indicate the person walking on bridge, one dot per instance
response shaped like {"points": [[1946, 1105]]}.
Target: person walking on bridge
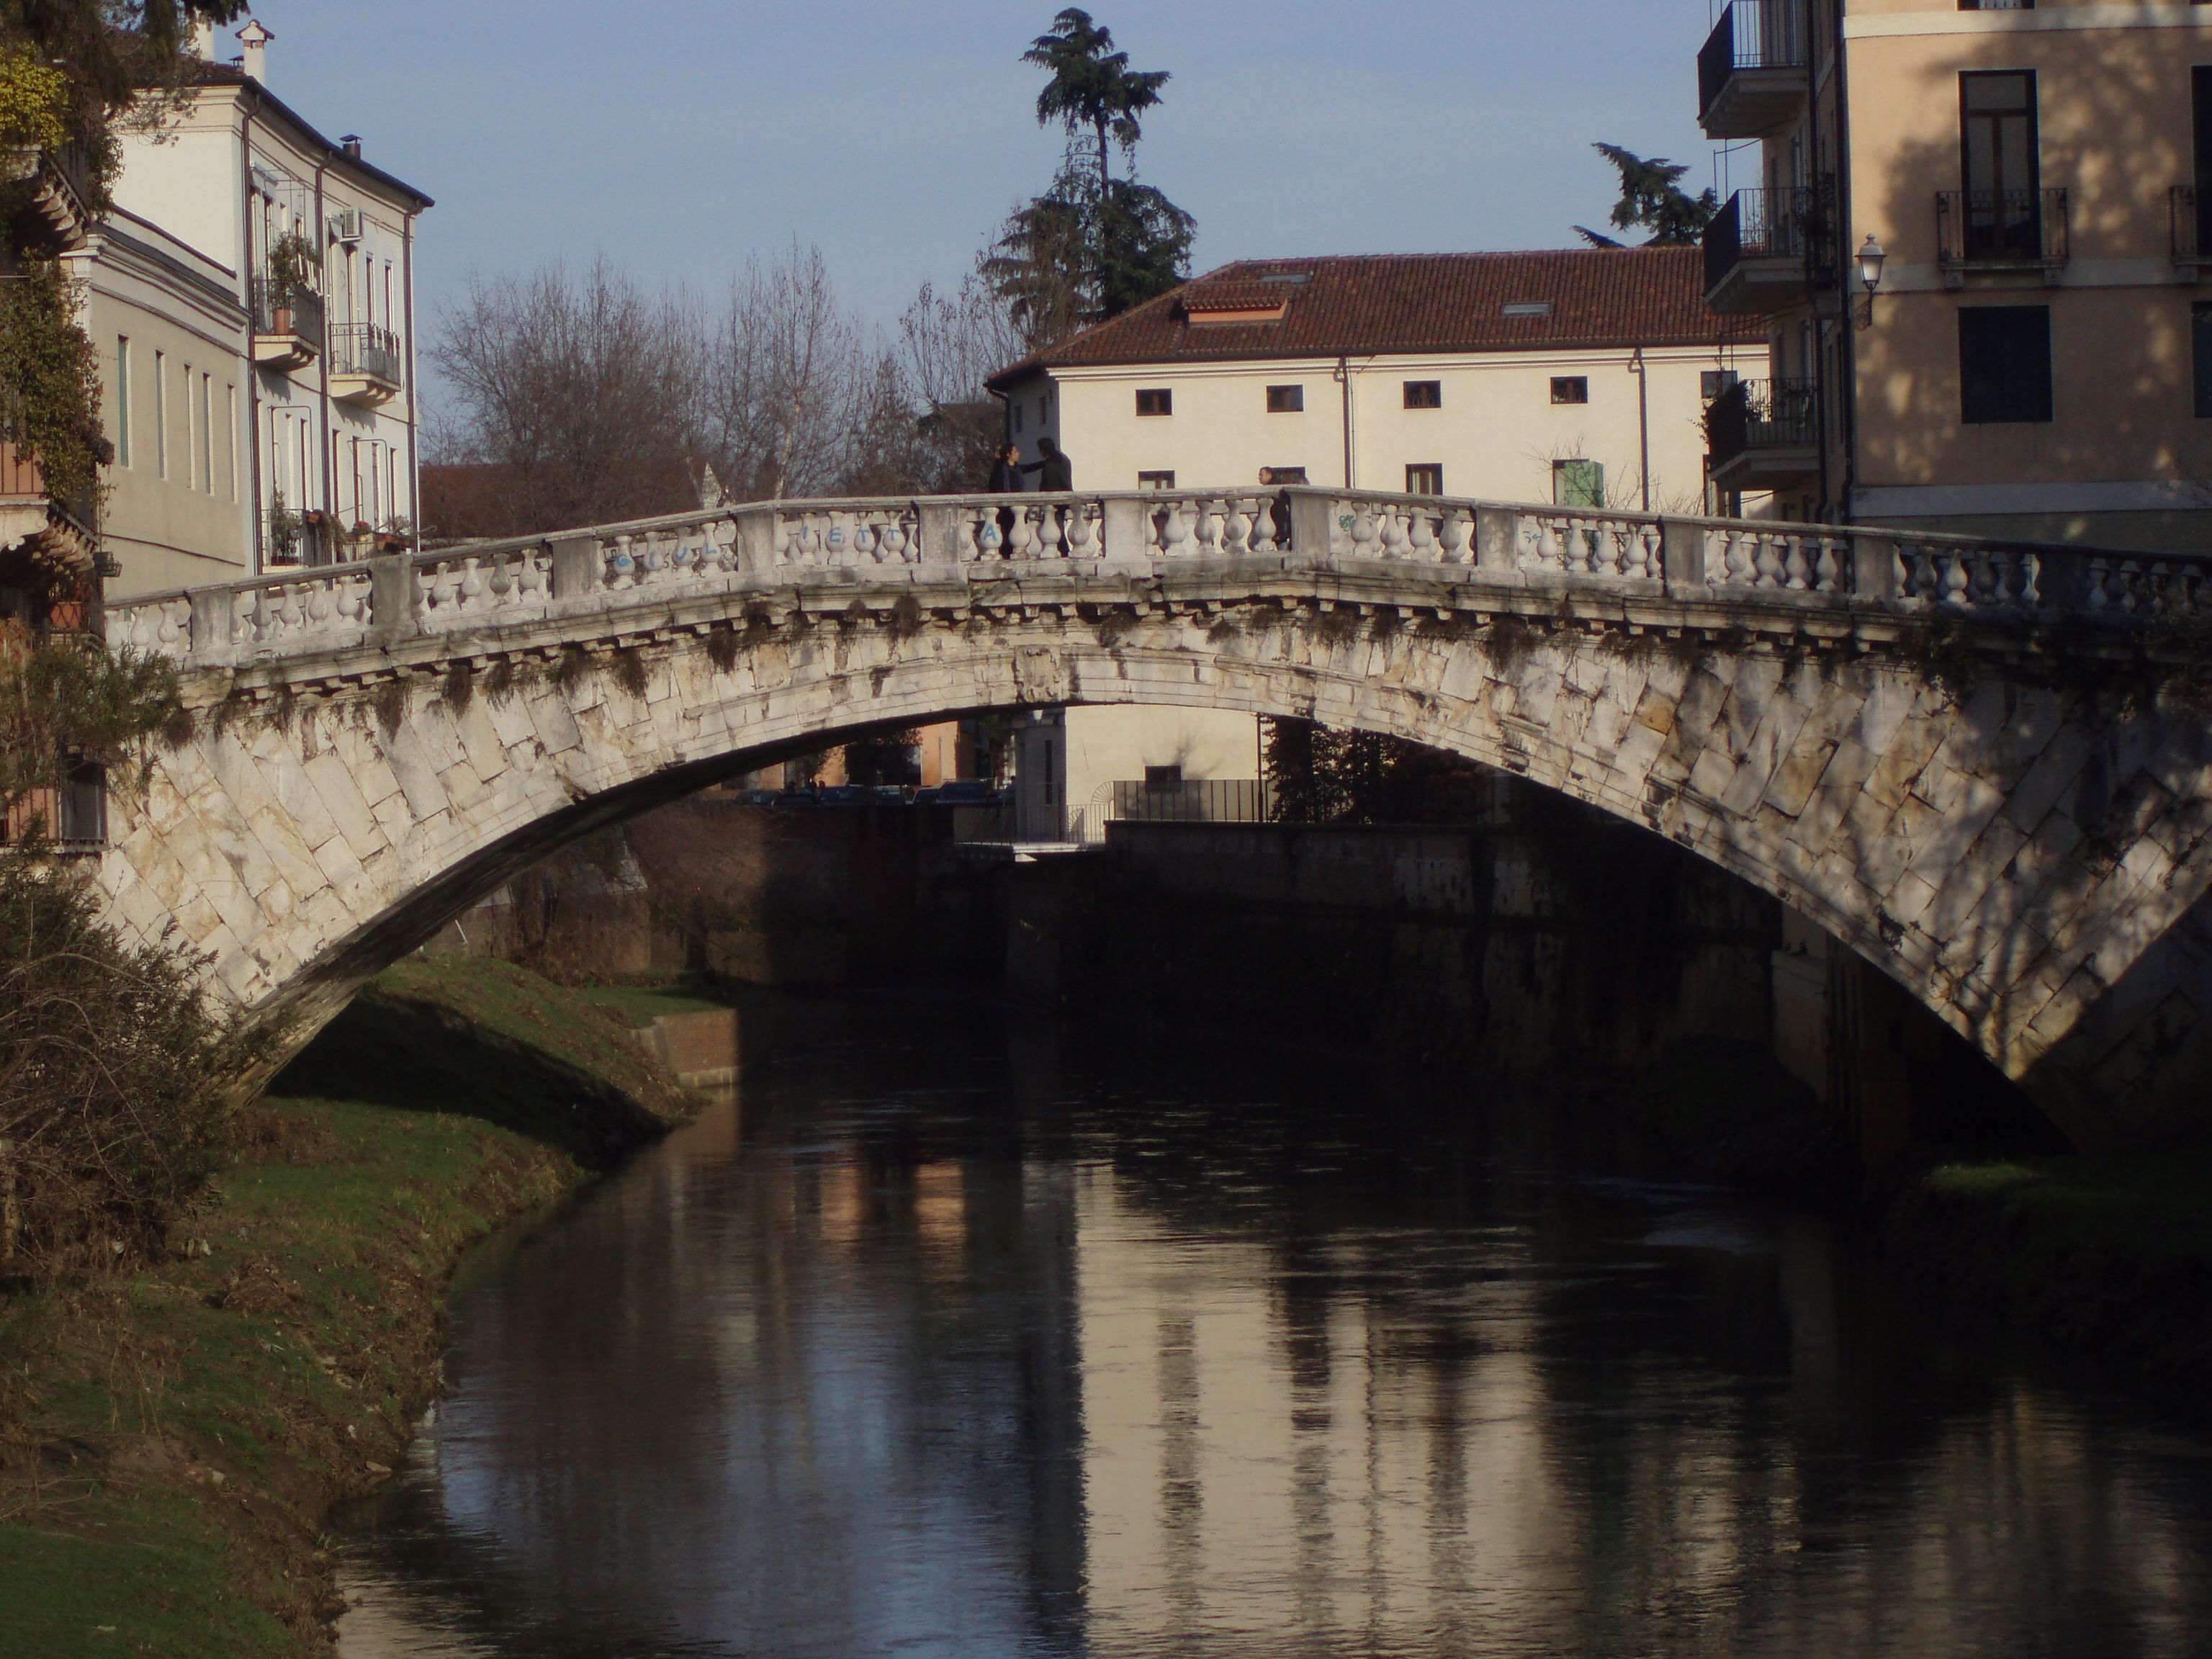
{"points": [[1058, 471]]}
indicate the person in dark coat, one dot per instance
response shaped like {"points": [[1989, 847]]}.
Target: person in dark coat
{"points": [[1007, 470], [1059, 472]]}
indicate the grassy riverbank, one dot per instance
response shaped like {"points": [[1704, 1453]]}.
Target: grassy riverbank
{"points": [[172, 1438], [2109, 1254]]}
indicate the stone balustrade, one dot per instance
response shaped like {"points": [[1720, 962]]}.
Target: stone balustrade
{"points": [[1488, 546]]}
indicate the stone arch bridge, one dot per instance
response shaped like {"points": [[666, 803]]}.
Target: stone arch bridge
{"points": [[1952, 755]]}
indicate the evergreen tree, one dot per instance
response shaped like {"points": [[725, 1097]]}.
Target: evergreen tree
{"points": [[1092, 86], [1652, 198]]}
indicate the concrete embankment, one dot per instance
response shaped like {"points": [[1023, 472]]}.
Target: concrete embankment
{"points": [[172, 1440]]}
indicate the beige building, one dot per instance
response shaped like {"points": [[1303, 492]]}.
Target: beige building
{"points": [[2036, 359], [251, 298], [1578, 375]]}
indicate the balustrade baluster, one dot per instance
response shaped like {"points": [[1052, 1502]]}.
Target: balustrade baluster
{"points": [[1828, 570], [1797, 572], [1452, 537], [1421, 537], [1767, 561], [895, 539], [1391, 533], [1955, 578], [472, 584], [1236, 528], [1173, 532], [1082, 532], [351, 600], [1025, 536], [1738, 567], [319, 605], [1363, 531]]}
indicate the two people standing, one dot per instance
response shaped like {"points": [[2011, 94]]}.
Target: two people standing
{"points": [[1058, 471]]}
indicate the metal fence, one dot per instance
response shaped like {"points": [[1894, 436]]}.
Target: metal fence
{"points": [[1190, 800]]}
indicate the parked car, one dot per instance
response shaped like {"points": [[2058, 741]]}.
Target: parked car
{"points": [[966, 792], [889, 794], [926, 796], [791, 798], [845, 794]]}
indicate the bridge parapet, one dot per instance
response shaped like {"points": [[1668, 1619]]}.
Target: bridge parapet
{"points": [[1486, 547]]}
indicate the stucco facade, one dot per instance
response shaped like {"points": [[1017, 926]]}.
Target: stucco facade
{"points": [[226, 398]]}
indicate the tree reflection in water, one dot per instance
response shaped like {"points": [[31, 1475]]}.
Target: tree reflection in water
{"points": [[935, 1345]]}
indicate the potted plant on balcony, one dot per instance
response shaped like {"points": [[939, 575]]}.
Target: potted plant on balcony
{"points": [[292, 267], [398, 534], [286, 528]]}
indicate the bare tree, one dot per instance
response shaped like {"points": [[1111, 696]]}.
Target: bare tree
{"points": [[952, 345], [577, 390]]}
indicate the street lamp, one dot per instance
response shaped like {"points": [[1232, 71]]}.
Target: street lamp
{"points": [[1871, 257]]}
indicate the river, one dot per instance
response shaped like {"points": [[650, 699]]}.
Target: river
{"points": [[949, 1335]]}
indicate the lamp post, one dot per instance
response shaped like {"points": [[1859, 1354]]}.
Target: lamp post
{"points": [[1871, 256]]}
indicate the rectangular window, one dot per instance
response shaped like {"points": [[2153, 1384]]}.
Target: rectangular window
{"points": [[1425, 394], [122, 400], [1996, 5], [1282, 475], [2004, 364], [1155, 400], [230, 436], [2200, 318], [1997, 164], [1156, 481], [1286, 399], [207, 433], [160, 414], [1569, 388], [1163, 777], [1577, 484], [1714, 381], [1425, 478], [82, 805], [1018, 416]]}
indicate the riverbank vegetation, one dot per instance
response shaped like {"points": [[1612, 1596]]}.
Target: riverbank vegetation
{"points": [[172, 1434]]}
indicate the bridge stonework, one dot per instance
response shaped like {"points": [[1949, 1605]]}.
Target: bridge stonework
{"points": [[1873, 731]]}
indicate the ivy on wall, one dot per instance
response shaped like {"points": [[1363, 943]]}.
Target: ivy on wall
{"points": [[52, 373]]}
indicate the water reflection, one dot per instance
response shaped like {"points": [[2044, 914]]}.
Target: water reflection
{"points": [[933, 1345]]}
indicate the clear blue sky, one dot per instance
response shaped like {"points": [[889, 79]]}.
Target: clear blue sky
{"points": [[679, 137]]}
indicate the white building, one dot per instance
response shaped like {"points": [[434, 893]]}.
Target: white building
{"points": [[253, 299], [1579, 375]]}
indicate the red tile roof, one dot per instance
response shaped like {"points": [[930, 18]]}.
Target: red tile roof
{"points": [[1366, 304]]}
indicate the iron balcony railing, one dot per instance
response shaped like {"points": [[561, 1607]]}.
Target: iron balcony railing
{"points": [[1788, 222], [293, 310], [2002, 227], [1762, 415], [1752, 35], [2188, 213], [365, 349], [1190, 800]]}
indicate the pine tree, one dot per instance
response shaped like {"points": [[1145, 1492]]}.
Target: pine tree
{"points": [[1652, 198]]}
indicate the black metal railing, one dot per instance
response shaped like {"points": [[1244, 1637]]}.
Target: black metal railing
{"points": [[2002, 226], [1789, 221], [1752, 34], [1191, 800], [287, 310], [365, 349], [1762, 415], [2189, 215]]}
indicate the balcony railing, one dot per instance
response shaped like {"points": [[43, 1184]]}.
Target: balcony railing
{"points": [[2188, 213], [1765, 247], [1762, 415], [1752, 71], [70, 818], [287, 324], [365, 349], [2001, 229]]}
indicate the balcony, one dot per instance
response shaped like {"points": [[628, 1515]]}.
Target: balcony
{"points": [[58, 213], [1752, 74], [1766, 250], [2001, 232], [1764, 434], [54, 535], [288, 325], [365, 368], [2188, 213]]}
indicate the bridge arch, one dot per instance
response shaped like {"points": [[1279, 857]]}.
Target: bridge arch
{"points": [[2025, 863]]}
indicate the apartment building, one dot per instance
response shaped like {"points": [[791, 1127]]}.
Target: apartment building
{"points": [[1578, 375], [1976, 241], [252, 298]]}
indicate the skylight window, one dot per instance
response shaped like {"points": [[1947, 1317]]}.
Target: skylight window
{"points": [[1528, 308]]}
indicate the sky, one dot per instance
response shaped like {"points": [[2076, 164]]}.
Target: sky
{"points": [[681, 137]]}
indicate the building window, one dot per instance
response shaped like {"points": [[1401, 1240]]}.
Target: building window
{"points": [[2200, 319], [230, 437], [122, 400], [207, 433], [1425, 394], [1578, 483], [81, 805], [1156, 481], [160, 414], [1997, 158], [1283, 474], [1017, 418], [1155, 400], [2003, 5], [1714, 381], [1569, 388], [1427, 478], [2004, 364], [1286, 399], [1163, 777]]}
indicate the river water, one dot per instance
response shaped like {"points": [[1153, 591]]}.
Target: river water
{"points": [[944, 1338]]}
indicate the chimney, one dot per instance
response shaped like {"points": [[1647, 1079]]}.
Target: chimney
{"points": [[203, 40], [349, 147], [256, 40]]}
